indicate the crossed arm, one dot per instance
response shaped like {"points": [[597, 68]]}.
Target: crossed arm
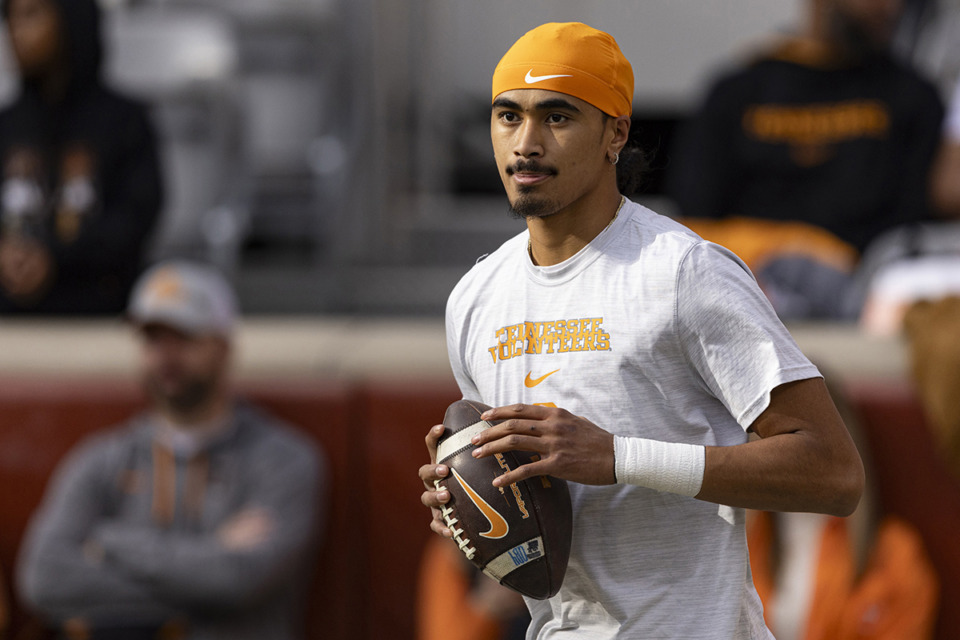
{"points": [[81, 560], [802, 460]]}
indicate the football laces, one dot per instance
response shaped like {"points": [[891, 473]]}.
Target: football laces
{"points": [[447, 514]]}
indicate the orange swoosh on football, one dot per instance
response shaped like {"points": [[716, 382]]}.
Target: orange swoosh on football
{"points": [[498, 526], [532, 382]]}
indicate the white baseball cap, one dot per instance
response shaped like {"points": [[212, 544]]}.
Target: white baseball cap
{"points": [[189, 296]]}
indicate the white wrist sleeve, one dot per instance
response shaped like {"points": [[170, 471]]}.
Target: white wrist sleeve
{"points": [[664, 466]]}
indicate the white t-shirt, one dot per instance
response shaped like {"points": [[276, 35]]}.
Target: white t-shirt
{"points": [[648, 331]]}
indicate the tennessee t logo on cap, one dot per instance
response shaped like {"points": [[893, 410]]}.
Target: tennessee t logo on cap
{"points": [[571, 58], [166, 285]]}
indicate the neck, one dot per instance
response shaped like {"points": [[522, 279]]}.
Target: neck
{"points": [[51, 87], [212, 412], [816, 28], [560, 236], [823, 36]]}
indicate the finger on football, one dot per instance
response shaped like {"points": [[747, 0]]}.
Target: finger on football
{"points": [[435, 498], [507, 442], [437, 526], [507, 429], [431, 440], [510, 411], [431, 472], [524, 471]]}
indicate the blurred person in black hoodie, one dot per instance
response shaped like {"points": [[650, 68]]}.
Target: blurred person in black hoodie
{"points": [[81, 185], [800, 157]]}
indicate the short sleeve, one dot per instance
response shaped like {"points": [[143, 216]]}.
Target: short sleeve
{"points": [[731, 335]]}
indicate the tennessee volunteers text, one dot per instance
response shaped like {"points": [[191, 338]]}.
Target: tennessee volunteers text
{"points": [[556, 336], [818, 124]]}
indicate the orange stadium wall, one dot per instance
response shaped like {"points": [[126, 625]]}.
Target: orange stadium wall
{"points": [[373, 433]]}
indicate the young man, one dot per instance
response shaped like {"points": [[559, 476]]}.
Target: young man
{"points": [[198, 518], [634, 357]]}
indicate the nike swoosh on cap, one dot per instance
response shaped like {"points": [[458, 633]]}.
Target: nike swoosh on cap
{"points": [[498, 525], [532, 79], [532, 382]]}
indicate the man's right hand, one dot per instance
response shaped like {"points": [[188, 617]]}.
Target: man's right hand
{"points": [[247, 529], [25, 268], [430, 474]]}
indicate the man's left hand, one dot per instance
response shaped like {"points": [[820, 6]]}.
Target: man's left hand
{"points": [[570, 447], [247, 529]]}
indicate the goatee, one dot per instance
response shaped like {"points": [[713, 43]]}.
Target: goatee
{"points": [[527, 206], [191, 396]]}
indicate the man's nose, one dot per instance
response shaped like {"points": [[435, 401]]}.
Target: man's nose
{"points": [[529, 140]]}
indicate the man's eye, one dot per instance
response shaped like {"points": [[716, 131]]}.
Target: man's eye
{"points": [[508, 116], [556, 118]]}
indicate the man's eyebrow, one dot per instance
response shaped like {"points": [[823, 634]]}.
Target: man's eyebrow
{"points": [[546, 105], [504, 103], [557, 103]]}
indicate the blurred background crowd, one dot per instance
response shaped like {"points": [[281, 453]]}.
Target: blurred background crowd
{"points": [[333, 156], [332, 159]]}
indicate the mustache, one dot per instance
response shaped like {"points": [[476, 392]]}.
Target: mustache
{"points": [[530, 166]]}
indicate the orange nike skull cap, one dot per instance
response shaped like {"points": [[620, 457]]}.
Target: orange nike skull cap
{"points": [[571, 58]]}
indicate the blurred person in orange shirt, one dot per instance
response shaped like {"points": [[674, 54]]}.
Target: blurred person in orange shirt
{"points": [[864, 577], [455, 601]]}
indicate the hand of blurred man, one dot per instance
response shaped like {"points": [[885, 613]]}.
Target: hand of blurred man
{"points": [[25, 268]]}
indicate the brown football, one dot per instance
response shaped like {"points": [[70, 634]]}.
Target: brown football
{"points": [[518, 535]]}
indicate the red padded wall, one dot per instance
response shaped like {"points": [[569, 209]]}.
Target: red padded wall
{"points": [[372, 432], [397, 418]]}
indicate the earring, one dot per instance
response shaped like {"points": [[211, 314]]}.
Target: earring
{"points": [[616, 158]]}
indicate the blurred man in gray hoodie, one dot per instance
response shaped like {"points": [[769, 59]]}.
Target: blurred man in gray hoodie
{"points": [[198, 518]]}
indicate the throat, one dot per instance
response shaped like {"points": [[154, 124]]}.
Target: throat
{"points": [[550, 243]]}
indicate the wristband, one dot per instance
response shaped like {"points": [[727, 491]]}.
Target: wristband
{"points": [[665, 466]]}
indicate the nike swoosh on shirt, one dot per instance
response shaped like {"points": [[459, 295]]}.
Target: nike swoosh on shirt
{"points": [[532, 382], [532, 79], [498, 525]]}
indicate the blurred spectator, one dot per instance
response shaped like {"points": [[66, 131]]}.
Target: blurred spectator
{"points": [[81, 185], [826, 578], [198, 518], [932, 329], [920, 262], [798, 160], [455, 601], [946, 176], [927, 38], [905, 266]]}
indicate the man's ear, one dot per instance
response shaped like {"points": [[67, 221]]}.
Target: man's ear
{"points": [[621, 132]]}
